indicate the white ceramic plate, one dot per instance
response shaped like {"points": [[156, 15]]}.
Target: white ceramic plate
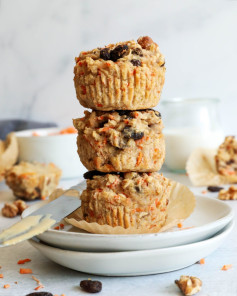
{"points": [[210, 216], [134, 262]]}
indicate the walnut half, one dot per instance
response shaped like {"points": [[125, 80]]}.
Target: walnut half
{"points": [[189, 285]]}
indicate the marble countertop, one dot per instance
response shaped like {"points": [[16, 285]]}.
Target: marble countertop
{"points": [[59, 280]]}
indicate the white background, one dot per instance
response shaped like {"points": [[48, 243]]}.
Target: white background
{"points": [[39, 40]]}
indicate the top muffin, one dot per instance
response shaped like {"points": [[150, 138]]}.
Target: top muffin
{"points": [[121, 76]]}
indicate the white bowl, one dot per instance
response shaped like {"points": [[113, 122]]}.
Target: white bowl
{"points": [[59, 149]]}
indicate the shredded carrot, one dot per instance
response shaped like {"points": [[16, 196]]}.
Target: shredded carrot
{"points": [[83, 89], [24, 261], [56, 227], [43, 197], [105, 129], [204, 192], [61, 225], [139, 158], [139, 210], [34, 134], [226, 266], [157, 202], [202, 261], [6, 286], [35, 279], [180, 225], [99, 105], [68, 130], [39, 287], [1, 276], [136, 114], [25, 270]]}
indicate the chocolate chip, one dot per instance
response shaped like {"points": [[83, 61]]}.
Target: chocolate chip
{"points": [[91, 286], [130, 133], [105, 54], [118, 52], [214, 188], [137, 51], [138, 189], [124, 112], [157, 114], [90, 174], [136, 63], [40, 294], [230, 161]]}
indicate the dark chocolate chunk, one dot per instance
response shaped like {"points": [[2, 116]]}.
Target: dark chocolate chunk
{"points": [[105, 54], [118, 52], [157, 114], [136, 63], [91, 286], [40, 294], [230, 161], [124, 112], [138, 189], [137, 51], [214, 188], [90, 174], [130, 133]]}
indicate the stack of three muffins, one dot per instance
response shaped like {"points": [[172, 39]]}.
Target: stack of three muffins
{"points": [[121, 142]]}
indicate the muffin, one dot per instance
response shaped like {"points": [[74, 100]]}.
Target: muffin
{"points": [[122, 76], [121, 141], [136, 200], [30, 181], [226, 158]]}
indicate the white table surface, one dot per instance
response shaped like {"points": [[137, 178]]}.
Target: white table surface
{"points": [[60, 280]]}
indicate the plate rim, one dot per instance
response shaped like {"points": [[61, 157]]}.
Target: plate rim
{"points": [[229, 217], [225, 231]]}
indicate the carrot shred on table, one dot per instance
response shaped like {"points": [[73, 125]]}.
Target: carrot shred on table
{"points": [[204, 192], [24, 261], [226, 266], [180, 225], [202, 261], [35, 279], [61, 225], [6, 286], [39, 287], [1, 276], [25, 270]]}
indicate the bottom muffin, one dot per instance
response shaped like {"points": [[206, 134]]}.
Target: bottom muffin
{"points": [[31, 181], [137, 200]]}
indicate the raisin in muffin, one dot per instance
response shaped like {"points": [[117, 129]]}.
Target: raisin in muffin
{"points": [[123, 76], [226, 158], [126, 199], [30, 181], [121, 141]]}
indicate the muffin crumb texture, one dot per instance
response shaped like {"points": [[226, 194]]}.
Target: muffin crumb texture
{"points": [[121, 140], [128, 200], [123, 76], [31, 181]]}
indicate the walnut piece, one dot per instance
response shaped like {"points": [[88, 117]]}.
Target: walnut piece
{"points": [[189, 285], [21, 205], [10, 210], [229, 194], [146, 42]]}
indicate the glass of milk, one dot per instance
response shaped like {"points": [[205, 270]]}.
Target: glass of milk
{"points": [[189, 123]]}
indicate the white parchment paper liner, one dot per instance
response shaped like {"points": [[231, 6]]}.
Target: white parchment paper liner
{"points": [[182, 204], [201, 169]]}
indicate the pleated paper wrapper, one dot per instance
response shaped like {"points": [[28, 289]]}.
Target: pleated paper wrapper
{"points": [[201, 169], [182, 204]]}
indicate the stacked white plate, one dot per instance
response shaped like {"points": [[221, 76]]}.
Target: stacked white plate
{"points": [[128, 255]]}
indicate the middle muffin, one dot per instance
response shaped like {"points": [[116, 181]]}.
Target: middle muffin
{"points": [[121, 141]]}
